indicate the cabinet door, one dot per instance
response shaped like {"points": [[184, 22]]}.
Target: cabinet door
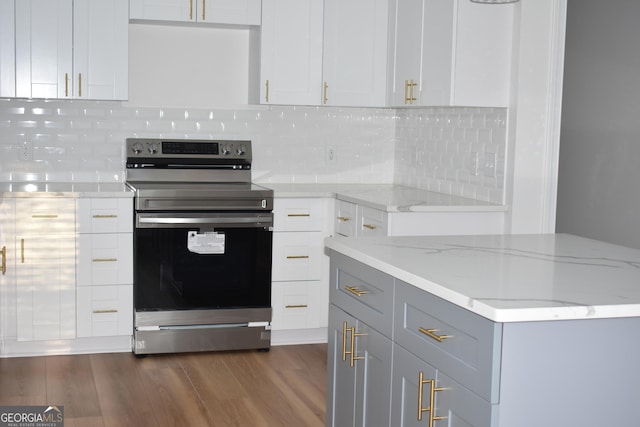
{"points": [[407, 50], [436, 69], [100, 49], [355, 52], [7, 49], [242, 12], [44, 48], [346, 218], [291, 52], [7, 270], [45, 283], [164, 10]]}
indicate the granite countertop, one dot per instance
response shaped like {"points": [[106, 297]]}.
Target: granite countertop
{"points": [[511, 278], [386, 197], [64, 189]]}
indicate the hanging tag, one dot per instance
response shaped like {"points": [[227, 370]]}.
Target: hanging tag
{"points": [[206, 243]]}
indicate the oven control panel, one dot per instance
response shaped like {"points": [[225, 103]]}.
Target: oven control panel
{"points": [[188, 149]]}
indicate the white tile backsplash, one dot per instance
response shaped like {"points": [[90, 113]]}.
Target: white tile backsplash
{"points": [[425, 148]]}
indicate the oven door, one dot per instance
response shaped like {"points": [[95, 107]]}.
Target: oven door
{"points": [[202, 261]]}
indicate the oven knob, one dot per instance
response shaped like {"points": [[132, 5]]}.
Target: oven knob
{"points": [[226, 150], [136, 148], [241, 150], [153, 148]]}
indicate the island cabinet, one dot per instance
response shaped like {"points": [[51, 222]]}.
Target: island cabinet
{"points": [[440, 364]]}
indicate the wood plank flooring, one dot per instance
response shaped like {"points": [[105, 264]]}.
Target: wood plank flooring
{"points": [[283, 387]]}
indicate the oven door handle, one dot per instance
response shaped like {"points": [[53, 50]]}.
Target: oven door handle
{"points": [[212, 220]]}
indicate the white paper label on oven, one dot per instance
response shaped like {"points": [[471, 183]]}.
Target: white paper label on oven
{"points": [[205, 243]]}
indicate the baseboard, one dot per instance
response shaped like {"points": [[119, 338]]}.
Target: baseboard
{"points": [[299, 336]]}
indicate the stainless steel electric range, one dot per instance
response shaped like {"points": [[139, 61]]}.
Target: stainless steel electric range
{"points": [[202, 247]]}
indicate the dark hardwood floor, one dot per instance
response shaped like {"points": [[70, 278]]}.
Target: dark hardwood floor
{"points": [[283, 387]]}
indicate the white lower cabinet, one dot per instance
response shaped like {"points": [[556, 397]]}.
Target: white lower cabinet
{"points": [[300, 268], [104, 310]]}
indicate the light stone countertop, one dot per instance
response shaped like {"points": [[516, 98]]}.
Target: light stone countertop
{"points": [[511, 278], [386, 197], [64, 189]]}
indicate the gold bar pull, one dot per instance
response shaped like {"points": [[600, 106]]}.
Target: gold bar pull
{"points": [[44, 216], [411, 97], [105, 216], [406, 92], [296, 215], [4, 260], [105, 260], [204, 6], [297, 256], [266, 87], [22, 250], [369, 226], [431, 333], [296, 306], [66, 84], [190, 9], [355, 290], [432, 399], [80, 84], [344, 218], [353, 358], [104, 311], [344, 340], [324, 96]]}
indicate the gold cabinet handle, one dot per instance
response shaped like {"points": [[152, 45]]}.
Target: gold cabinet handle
{"points": [[22, 250], [406, 92], [104, 216], [369, 226], [296, 306], [204, 6], [104, 311], [79, 84], [324, 96], [190, 9], [4, 260], [355, 290], [44, 216], [432, 398], [431, 333], [105, 260], [66, 84], [352, 351], [266, 91], [411, 86], [344, 218], [298, 215], [297, 256]]}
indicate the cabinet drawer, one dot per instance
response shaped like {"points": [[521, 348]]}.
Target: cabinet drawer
{"points": [[105, 215], [297, 256], [104, 311], [45, 216], [296, 305], [346, 218], [462, 344], [372, 222], [363, 292], [300, 214], [105, 259]]}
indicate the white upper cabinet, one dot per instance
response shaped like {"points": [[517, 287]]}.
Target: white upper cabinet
{"points": [[71, 49], [239, 12], [450, 52], [7, 49], [324, 52], [355, 53], [291, 52]]}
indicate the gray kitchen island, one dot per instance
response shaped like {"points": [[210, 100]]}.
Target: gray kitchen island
{"points": [[485, 331]]}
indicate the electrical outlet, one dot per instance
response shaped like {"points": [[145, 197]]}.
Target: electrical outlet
{"points": [[26, 151], [331, 154], [490, 160]]}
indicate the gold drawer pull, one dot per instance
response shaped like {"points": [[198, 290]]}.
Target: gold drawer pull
{"points": [[104, 311], [431, 333], [104, 259], [432, 397], [369, 226], [105, 216], [4, 260], [297, 256], [296, 306], [355, 290], [296, 215], [352, 352], [41, 216], [344, 218]]}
